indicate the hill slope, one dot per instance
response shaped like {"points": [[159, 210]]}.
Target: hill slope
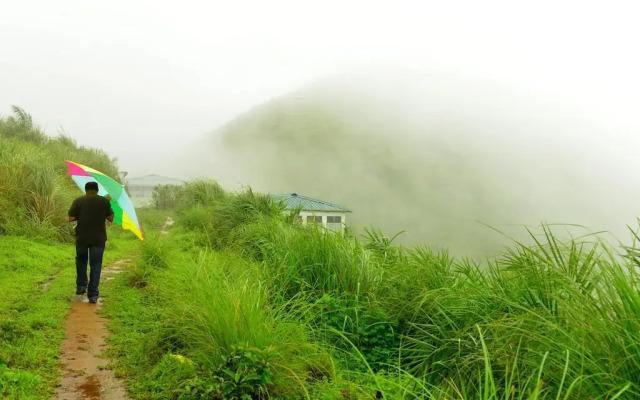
{"points": [[429, 157]]}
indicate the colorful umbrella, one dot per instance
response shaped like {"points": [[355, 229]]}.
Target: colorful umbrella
{"points": [[125, 214]]}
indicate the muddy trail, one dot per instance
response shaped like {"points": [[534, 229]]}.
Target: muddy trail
{"points": [[84, 374]]}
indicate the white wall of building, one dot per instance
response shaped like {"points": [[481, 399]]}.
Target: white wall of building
{"points": [[324, 215]]}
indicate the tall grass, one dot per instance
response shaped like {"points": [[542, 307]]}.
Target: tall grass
{"points": [[219, 310], [557, 319], [20, 125], [35, 191], [222, 217], [307, 259], [548, 300], [36, 196], [203, 193]]}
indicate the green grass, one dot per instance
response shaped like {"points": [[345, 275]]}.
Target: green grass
{"points": [[352, 318], [37, 268], [216, 306], [240, 301], [250, 303], [35, 191], [36, 281]]}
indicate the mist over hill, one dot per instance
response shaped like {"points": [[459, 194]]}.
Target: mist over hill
{"points": [[435, 157]]}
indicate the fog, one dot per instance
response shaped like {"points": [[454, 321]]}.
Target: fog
{"points": [[436, 156], [450, 112]]}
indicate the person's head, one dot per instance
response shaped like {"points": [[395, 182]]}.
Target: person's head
{"points": [[91, 188]]}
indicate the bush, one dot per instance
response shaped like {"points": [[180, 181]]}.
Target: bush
{"points": [[367, 326], [244, 374], [165, 197]]}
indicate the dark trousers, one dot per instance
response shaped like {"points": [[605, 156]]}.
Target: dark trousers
{"points": [[93, 255]]}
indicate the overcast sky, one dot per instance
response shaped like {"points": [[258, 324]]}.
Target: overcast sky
{"points": [[138, 77]]}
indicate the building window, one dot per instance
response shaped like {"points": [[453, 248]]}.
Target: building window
{"points": [[314, 218], [334, 219]]}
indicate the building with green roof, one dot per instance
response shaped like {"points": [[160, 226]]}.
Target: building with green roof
{"points": [[330, 215]]}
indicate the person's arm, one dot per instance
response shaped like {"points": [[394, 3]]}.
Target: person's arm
{"points": [[110, 213], [73, 211]]}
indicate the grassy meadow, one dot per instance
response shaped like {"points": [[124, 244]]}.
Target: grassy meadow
{"points": [[37, 267], [238, 300]]}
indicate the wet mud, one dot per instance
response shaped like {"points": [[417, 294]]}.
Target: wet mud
{"points": [[84, 374]]}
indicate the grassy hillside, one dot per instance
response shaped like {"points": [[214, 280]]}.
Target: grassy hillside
{"points": [[37, 273], [238, 300], [35, 191], [241, 301], [426, 157]]}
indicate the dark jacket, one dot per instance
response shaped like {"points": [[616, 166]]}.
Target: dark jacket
{"points": [[91, 212]]}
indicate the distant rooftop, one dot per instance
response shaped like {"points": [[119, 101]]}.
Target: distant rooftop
{"points": [[294, 200], [153, 180]]}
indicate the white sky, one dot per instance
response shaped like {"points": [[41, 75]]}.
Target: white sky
{"points": [[139, 77]]}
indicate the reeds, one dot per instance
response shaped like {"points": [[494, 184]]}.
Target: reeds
{"points": [[35, 191], [553, 319]]}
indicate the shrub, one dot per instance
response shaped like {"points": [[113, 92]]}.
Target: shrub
{"points": [[166, 197], [243, 374], [365, 325]]}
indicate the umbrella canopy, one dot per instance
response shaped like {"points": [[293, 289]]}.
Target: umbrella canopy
{"points": [[124, 212]]}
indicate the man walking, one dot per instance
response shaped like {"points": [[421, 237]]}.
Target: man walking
{"points": [[90, 211]]}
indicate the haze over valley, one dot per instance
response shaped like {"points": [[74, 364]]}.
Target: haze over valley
{"points": [[437, 157], [421, 117]]}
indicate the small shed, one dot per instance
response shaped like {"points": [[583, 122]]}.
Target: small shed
{"points": [[331, 216], [141, 188]]}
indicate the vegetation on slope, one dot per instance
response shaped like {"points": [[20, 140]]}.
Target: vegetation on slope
{"points": [[240, 301], [35, 191], [432, 158], [32, 309], [37, 274]]}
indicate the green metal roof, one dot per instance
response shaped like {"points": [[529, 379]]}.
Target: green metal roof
{"points": [[294, 200], [153, 180]]}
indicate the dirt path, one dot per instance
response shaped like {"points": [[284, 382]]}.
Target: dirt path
{"points": [[167, 224], [84, 375]]}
